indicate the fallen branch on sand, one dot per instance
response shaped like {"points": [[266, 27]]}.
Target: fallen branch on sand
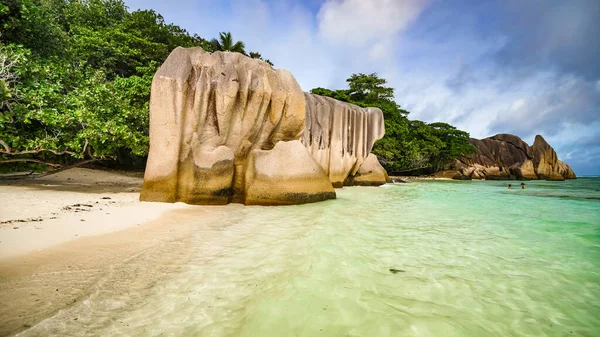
{"points": [[28, 160]]}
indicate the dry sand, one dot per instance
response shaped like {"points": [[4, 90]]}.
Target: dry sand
{"points": [[36, 214]]}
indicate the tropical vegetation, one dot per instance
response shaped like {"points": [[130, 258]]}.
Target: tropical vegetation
{"points": [[75, 77], [225, 43]]}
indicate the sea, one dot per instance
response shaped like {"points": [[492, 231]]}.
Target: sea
{"points": [[423, 258]]}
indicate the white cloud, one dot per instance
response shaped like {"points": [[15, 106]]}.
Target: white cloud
{"points": [[381, 50], [361, 22], [516, 105]]}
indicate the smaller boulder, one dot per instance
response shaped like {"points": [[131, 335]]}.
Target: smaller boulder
{"points": [[554, 176], [462, 177], [497, 173], [527, 171], [370, 173], [285, 175]]}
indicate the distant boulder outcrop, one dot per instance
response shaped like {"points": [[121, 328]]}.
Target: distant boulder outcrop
{"points": [[228, 128], [504, 157]]}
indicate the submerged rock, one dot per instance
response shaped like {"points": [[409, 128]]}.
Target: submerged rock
{"points": [[228, 128]]}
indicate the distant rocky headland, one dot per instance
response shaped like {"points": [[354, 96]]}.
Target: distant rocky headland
{"points": [[228, 128], [505, 157]]}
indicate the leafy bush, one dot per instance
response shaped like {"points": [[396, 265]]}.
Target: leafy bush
{"points": [[84, 70]]}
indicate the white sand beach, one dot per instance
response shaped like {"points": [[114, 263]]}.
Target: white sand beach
{"points": [[36, 214]]}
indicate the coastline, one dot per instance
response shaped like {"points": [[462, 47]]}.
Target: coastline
{"points": [[209, 267], [403, 179], [64, 236], [37, 214]]}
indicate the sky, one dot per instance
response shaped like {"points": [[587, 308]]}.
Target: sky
{"points": [[487, 67]]}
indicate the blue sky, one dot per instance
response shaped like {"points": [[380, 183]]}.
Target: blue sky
{"points": [[508, 66]]}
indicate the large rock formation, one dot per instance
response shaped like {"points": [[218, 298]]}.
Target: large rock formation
{"points": [[505, 156], [228, 128]]}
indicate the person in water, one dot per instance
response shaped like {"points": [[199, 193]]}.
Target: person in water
{"points": [[509, 186], [522, 185]]}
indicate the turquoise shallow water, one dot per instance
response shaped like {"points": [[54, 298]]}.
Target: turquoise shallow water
{"points": [[471, 259]]}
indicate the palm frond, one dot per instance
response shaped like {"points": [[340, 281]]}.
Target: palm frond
{"points": [[239, 47], [216, 46]]}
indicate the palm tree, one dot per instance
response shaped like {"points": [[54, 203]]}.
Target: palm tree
{"points": [[225, 43], [257, 55]]}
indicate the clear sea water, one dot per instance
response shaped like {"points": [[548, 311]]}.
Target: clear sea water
{"points": [[470, 259]]}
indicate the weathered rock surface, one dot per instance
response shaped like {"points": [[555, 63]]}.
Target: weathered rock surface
{"points": [[504, 157], [370, 173], [228, 128], [285, 175], [546, 161], [340, 136]]}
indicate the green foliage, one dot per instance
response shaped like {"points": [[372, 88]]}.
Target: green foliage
{"points": [[256, 55], [340, 95], [85, 69], [455, 143], [225, 43], [120, 42], [408, 144], [66, 107], [75, 76], [9, 59], [32, 23], [369, 89]]}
